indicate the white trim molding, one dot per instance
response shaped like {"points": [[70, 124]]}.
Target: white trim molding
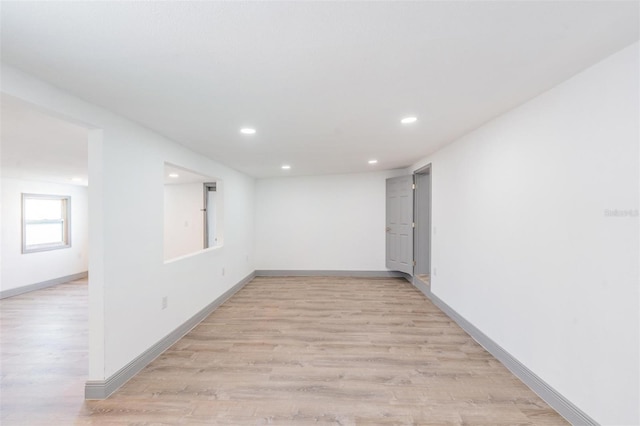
{"points": [[328, 273]]}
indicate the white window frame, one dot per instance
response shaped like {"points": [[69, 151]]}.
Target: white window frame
{"points": [[65, 221]]}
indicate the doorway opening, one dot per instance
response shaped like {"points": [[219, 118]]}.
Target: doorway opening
{"points": [[46, 243], [45, 197], [422, 230]]}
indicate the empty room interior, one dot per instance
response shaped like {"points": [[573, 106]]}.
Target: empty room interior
{"points": [[335, 213]]}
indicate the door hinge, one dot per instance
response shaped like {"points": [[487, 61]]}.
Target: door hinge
{"points": [[413, 224], [413, 186], [414, 263]]}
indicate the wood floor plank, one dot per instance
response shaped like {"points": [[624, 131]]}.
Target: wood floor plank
{"points": [[291, 351]]}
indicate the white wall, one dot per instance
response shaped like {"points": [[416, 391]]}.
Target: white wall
{"points": [[333, 222], [128, 275], [19, 270], [524, 250], [183, 219]]}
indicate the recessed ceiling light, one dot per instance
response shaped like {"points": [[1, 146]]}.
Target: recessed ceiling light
{"points": [[373, 161], [76, 179], [174, 175], [247, 131], [286, 167], [409, 120]]}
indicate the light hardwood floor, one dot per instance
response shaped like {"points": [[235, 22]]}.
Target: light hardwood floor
{"points": [[294, 351], [425, 278]]}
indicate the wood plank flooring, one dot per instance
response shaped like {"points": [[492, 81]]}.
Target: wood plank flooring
{"points": [[425, 278], [292, 351], [43, 355]]}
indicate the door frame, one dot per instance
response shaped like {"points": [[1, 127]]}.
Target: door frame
{"points": [[417, 215]]}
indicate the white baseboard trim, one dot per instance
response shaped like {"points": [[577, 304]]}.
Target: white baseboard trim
{"points": [[44, 284], [327, 273], [557, 401], [101, 389]]}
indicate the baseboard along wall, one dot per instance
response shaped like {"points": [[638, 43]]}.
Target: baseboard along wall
{"points": [[555, 399], [328, 273], [101, 389], [44, 284]]}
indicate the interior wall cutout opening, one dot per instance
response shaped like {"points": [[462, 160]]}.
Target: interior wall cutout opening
{"points": [[45, 222], [193, 212]]}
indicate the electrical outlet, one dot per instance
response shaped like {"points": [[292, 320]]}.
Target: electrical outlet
{"points": [[165, 302], [223, 272], [435, 272]]}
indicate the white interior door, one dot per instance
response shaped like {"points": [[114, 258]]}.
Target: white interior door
{"points": [[399, 224]]}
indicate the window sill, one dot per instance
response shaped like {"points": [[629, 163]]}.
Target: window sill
{"points": [[44, 247], [196, 253]]}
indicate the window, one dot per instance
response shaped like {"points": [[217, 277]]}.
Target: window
{"points": [[45, 222]]}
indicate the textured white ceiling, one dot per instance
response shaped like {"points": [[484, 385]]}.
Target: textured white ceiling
{"points": [[324, 83]]}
